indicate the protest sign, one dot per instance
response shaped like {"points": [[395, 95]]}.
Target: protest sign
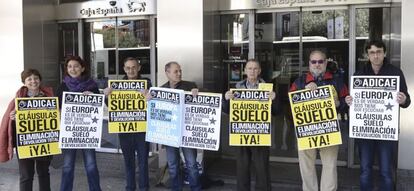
{"points": [[266, 86], [127, 106], [81, 120], [250, 118], [315, 118], [37, 127], [165, 116], [374, 111], [201, 128]]}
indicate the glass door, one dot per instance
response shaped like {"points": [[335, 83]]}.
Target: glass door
{"points": [[68, 43], [234, 51], [379, 23], [283, 41], [277, 49], [108, 43]]}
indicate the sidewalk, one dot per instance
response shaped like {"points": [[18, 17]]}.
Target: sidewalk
{"points": [[111, 171], [284, 176]]}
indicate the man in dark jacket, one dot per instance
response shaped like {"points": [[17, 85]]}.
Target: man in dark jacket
{"points": [[318, 76], [376, 65], [132, 143], [174, 75], [246, 155]]}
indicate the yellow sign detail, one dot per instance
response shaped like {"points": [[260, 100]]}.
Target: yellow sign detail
{"points": [[250, 118], [315, 118], [37, 127], [127, 106]]}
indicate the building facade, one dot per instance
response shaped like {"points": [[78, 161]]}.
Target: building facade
{"points": [[212, 40]]}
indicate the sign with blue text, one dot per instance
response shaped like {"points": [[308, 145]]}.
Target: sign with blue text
{"points": [[81, 121], [374, 112], [202, 121], [165, 116]]}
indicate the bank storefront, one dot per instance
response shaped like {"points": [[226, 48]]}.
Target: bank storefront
{"points": [[279, 33], [212, 39]]}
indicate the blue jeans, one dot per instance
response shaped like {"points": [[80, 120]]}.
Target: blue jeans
{"points": [[385, 151], [173, 159], [131, 143], [89, 159]]}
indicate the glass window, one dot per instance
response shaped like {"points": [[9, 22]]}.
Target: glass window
{"points": [[133, 34], [235, 45], [371, 23], [277, 47]]}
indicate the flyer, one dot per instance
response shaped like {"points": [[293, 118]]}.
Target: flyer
{"points": [[315, 118], [374, 112], [127, 106], [202, 121], [250, 118], [165, 116], [37, 127], [81, 121]]}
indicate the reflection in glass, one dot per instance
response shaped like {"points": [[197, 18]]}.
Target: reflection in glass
{"points": [[133, 33], [277, 49], [103, 35], [331, 24], [371, 23], [235, 45]]}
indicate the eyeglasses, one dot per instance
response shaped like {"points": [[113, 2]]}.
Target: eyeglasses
{"points": [[130, 68], [378, 52], [317, 61]]}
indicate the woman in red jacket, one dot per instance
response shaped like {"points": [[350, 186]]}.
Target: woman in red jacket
{"points": [[31, 79]]}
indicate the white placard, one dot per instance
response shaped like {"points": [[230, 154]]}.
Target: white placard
{"points": [[202, 121], [374, 112], [81, 121]]}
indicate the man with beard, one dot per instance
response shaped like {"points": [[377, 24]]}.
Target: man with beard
{"points": [[318, 76]]}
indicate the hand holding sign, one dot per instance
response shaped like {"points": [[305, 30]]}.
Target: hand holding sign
{"points": [[312, 86], [348, 100], [401, 98], [229, 95], [13, 115]]}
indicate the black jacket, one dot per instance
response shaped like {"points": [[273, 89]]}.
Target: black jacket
{"points": [[387, 70], [182, 85]]}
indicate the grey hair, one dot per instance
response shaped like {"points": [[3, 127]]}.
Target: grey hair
{"points": [[168, 65]]}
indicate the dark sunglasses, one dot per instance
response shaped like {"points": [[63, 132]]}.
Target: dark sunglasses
{"points": [[317, 61]]}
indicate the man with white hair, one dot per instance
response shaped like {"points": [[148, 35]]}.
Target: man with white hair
{"points": [[318, 76]]}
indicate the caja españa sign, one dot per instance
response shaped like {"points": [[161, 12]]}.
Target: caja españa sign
{"points": [[109, 8]]}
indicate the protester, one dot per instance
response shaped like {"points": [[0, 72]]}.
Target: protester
{"points": [[134, 143], [174, 75], [246, 154], [31, 79], [77, 79], [318, 76], [377, 66]]}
